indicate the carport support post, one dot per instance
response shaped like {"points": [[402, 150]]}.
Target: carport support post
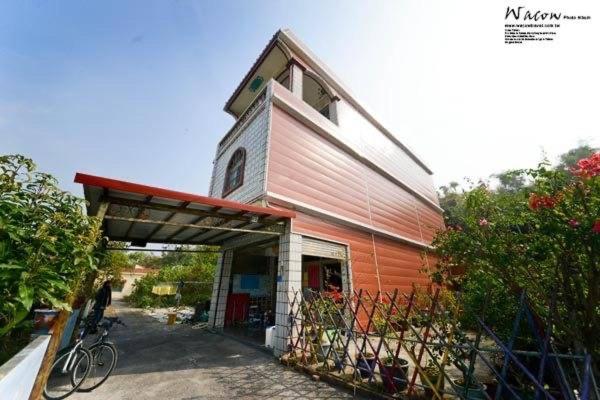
{"points": [[289, 279], [218, 302]]}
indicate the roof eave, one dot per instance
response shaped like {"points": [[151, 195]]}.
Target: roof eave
{"points": [[257, 63]]}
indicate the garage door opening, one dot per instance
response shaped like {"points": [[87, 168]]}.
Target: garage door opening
{"points": [[252, 292]]}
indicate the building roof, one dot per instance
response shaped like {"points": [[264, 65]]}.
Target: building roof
{"points": [[141, 214]]}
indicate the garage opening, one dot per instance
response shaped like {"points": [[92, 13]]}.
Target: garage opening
{"points": [[252, 292], [244, 289]]}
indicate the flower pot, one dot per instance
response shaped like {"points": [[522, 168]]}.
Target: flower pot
{"points": [[322, 351], [338, 358], [395, 377], [435, 377], [476, 390], [43, 320], [366, 364], [399, 326]]}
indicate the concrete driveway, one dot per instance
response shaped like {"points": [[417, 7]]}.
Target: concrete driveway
{"points": [[177, 362]]}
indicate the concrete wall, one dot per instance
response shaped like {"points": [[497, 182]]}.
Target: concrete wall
{"points": [[18, 374]]}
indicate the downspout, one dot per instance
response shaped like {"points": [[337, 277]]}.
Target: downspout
{"points": [[372, 234], [420, 230]]}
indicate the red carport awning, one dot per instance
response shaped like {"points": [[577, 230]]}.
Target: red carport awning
{"points": [[143, 214]]}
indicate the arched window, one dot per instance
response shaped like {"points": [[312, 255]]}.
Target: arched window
{"points": [[234, 176]]}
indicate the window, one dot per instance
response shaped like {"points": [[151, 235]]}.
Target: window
{"points": [[317, 97], [284, 79], [234, 176]]}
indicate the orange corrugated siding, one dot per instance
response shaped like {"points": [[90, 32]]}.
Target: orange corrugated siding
{"points": [[377, 147], [302, 168], [307, 168], [398, 264]]}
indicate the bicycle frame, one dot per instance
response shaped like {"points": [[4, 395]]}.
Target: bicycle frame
{"points": [[70, 362]]}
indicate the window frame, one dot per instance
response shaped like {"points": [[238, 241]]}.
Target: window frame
{"points": [[227, 190]]}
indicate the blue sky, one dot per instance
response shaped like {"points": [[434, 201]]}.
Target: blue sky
{"points": [[135, 89]]}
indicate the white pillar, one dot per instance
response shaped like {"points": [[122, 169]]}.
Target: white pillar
{"points": [[289, 280], [296, 77], [333, 115], [218, 303]]}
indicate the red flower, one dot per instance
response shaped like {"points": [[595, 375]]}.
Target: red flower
{"points": [[573, 223], [588, 167], [596, 227], [536, 201], [483, 222]]}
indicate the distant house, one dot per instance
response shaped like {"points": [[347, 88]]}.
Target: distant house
{"points": [[130, 276], [308, 191]]}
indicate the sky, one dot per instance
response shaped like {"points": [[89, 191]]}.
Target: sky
{"points": [[135, 90]]}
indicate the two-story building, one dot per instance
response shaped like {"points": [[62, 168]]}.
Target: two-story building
{"points": [[308, 190]]}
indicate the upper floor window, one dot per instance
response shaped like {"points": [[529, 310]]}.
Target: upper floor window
{"points": [[317, 97], [234, 176], [284, 78]]}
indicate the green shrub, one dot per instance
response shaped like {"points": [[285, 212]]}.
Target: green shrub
{"points": [[543, 239], [197, 278]]}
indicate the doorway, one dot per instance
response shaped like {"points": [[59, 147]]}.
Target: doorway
{"points": [[252, 293]]}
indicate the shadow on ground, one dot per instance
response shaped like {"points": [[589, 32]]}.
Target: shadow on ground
{"points": [[177, 362]]}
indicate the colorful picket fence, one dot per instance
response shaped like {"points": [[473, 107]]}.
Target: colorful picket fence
{"points": [[411, 345]]}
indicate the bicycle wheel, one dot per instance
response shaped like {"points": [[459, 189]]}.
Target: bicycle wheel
{"points": [[104, 360], [65, 379]]}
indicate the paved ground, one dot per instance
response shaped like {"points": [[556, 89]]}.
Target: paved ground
{"points": [[177, 362]]}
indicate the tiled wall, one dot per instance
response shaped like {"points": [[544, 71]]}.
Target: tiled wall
{"points": [[290, 270], [218, 302], [252, 136]]}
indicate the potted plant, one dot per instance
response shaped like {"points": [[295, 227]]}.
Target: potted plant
{"points": [[399, 324], [467, 387], [321, 344], [475, 391], [434, 375], [394, 374], [365, 362], [339, 355]]}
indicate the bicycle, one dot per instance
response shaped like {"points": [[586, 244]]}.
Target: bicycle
{"points": [[104, 357], [70, 368], [82, 369]]}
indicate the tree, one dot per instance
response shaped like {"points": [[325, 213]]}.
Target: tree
{"points": [[47, 244], [112, 263], [511, 181], [196, 269], [568, 160]]}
